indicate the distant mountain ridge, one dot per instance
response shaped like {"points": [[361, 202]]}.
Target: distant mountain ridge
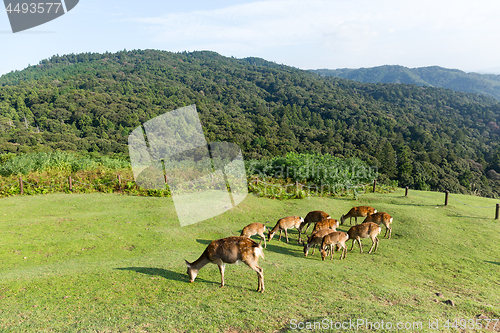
{"points": [[433, 76]]}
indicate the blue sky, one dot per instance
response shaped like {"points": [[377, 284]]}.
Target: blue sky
{"points": [[306, 34]]}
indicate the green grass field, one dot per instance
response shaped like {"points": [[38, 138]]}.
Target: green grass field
{"points": [[115, 263]]}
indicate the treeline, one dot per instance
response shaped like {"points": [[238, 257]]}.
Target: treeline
{"points": [[422, 137], [434, 76], [294, 176]]}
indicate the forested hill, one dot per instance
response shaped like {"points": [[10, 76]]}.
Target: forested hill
{"points": [[423, 137], [433, 76]]}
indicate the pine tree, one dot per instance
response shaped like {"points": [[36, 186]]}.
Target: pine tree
{"points": [[387, 158]]}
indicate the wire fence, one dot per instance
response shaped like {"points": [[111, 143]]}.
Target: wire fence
{"points": [[80, 183], [360, 189], [122, 184], [448, 195]]}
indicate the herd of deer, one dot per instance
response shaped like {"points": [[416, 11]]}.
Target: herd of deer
{"points": [[233, 249]]}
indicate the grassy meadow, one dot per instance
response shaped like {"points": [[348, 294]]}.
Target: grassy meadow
{"points": [[115, 263]]}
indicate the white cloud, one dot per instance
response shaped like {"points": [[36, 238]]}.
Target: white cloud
{"points": [[352, 31]]}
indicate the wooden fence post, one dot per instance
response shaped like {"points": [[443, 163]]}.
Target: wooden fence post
{"points": [[374, 185], [497, 211], [406, 191], [70, 181], [446, 193], [21, 188]]}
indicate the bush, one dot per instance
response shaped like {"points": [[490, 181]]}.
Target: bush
{"points": [[323, 171]]}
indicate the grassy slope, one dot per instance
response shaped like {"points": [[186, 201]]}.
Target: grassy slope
{"points": [[101, 262]]}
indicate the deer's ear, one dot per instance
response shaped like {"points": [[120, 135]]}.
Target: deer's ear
{"points": [[187, 263]]}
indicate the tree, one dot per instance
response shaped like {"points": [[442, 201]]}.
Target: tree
{"points": [[387, 158], [405, 167]]}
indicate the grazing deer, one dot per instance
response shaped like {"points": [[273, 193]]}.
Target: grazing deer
{"points": [[284, 224], [255, 229], [228, 251], [312, 217], [332, 240], [316, 239], [381, 218], [329, 223], [356, 212], [364, 230]]}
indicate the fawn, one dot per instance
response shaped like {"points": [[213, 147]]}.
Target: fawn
{"points": [[332, 240], [360, 211], [316, 239], [364, 230], [284, 224], [381, 218], [312, 217], [255, 229]]}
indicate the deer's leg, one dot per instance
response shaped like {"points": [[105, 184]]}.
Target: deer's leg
{"points": [[374, 244], [344, 250], [286, 235], [352, 247], [222, 266], [263, 238], [260, 275], [360, 247], [280, 236], [307, 227]]}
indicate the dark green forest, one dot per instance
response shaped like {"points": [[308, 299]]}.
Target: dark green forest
{"points": [[422, 137], [433, 76]]}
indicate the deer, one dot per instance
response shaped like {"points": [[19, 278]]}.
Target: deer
{"points": [[255, 229], [360, 211], [364, 230], [316, 239], [312, 217], [336, 238], [381, 218], [229, 251], [328, 223], [284, 224]]}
